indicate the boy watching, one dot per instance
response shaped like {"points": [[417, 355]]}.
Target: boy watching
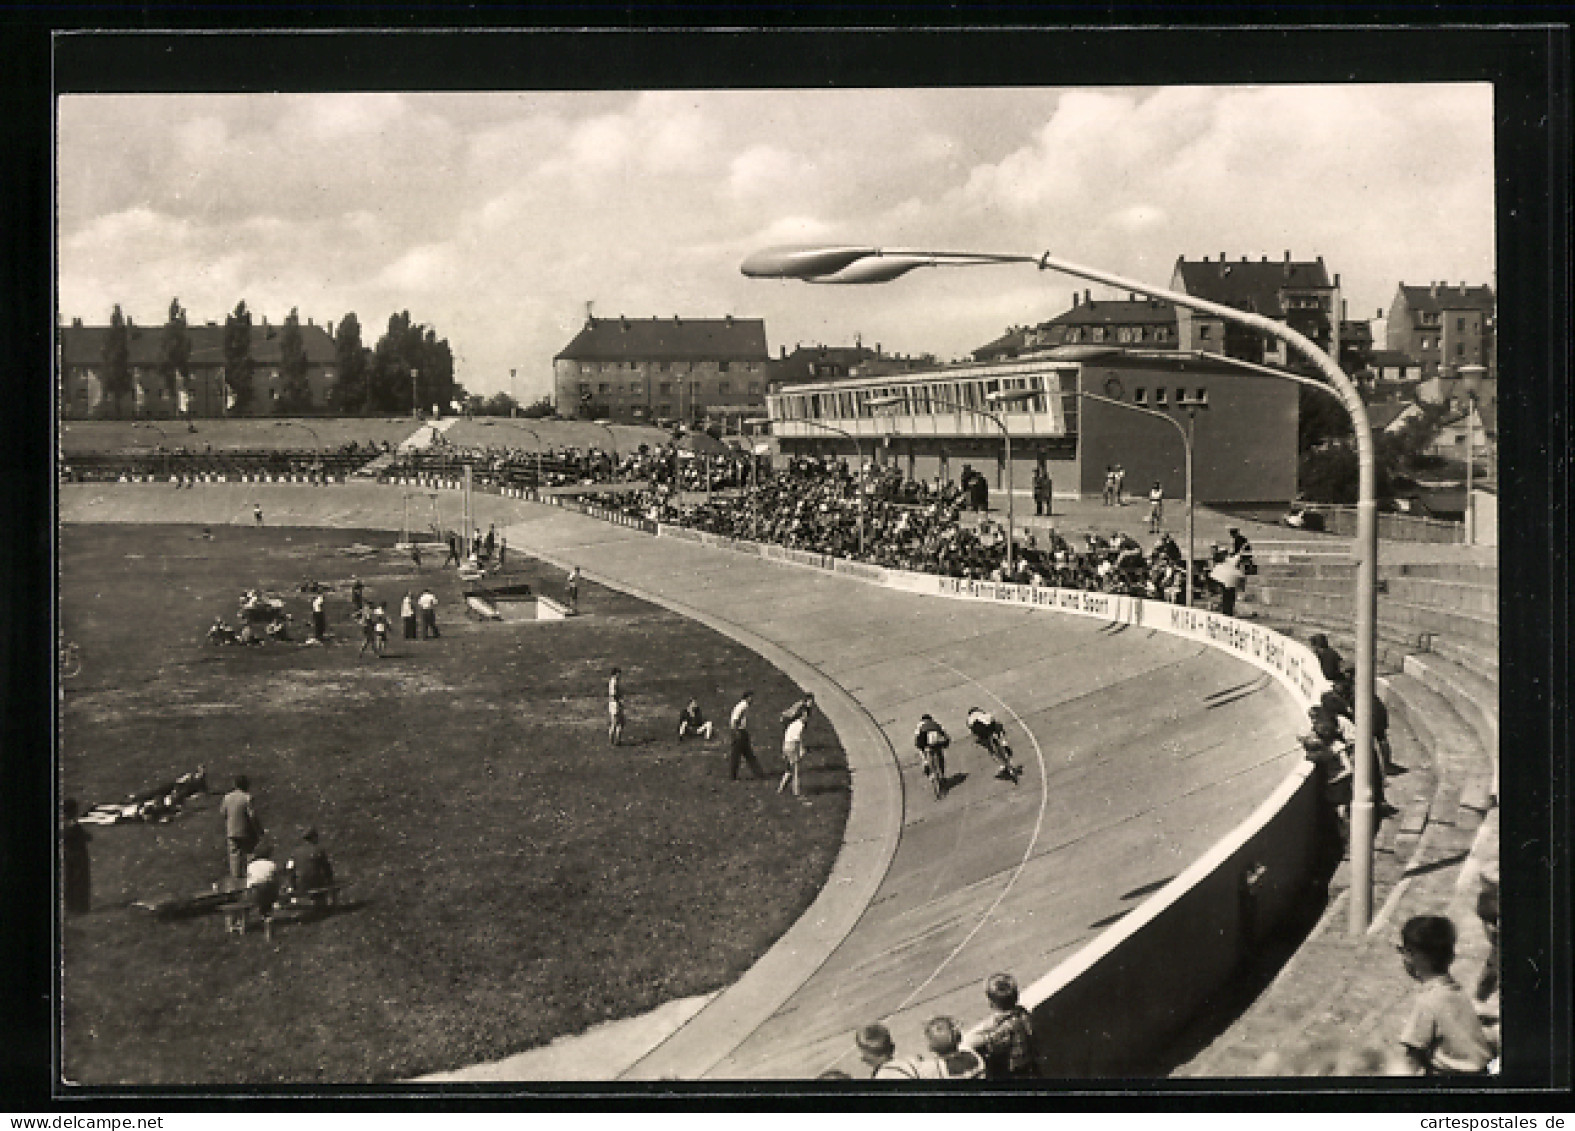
{"points": [[1442, 1036]]}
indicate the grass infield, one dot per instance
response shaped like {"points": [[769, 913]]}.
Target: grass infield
{"points": [[513, 878]]}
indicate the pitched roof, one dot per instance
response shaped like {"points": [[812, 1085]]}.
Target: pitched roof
{"points": [[1254, 287], [1380, 416], [84, 345], [796, 366], [670, 339], [1117, 312], [1443, 297]]}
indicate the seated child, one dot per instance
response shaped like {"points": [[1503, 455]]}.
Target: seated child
{"points": [[1442, 1036], [311, 870], [691, 721]]}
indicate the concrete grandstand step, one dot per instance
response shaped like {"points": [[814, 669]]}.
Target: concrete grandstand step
{"points": [[1401, 615], [1473, 572], [1473, 697], [1458, 596], [1453, 596], [1452, 742], [1479, 658], [1331, 571]]}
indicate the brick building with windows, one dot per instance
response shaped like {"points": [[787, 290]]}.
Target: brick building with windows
{"points": [[203, 394], [639, 371], [1132, 323], [1298, 293], [1444, 327]]}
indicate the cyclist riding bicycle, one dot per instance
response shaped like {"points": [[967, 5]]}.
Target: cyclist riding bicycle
{"points": [[931, 741], [990, 734]]}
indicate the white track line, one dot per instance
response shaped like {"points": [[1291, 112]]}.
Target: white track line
{"points": [[1044, 801]]}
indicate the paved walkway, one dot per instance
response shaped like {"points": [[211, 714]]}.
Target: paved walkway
{"points": [[1142, 751]]}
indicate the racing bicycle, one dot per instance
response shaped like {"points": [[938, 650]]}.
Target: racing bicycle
{"points": [[996, 744]]}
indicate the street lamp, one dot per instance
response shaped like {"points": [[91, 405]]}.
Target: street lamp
{"points": [[1192, 407], [993, 418], [855, 264], [1471, 385], [858, 452], [534, 434]]}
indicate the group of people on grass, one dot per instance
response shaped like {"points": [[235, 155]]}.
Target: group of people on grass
{"points": [[304, 878], [692, 723]]}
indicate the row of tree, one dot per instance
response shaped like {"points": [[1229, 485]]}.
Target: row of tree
{"points": [[410, 367]]}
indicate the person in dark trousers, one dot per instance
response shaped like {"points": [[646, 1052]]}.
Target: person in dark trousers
{"points": [[453, 550], [76, 869], [319, 618], [357, 596], [491, 541], [242, 829], [1041, 491], [407, 613], [257, 513], [741, 749]]}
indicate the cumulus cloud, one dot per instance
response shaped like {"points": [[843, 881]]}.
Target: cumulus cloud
{"points": [[494, 218]]}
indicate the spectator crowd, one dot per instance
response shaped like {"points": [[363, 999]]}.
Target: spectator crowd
{"points": [[877, 515]]}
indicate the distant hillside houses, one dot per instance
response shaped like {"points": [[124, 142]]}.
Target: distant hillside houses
{"points": [[204, 394]]}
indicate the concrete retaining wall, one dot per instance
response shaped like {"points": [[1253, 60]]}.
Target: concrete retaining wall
{"points": [[1118, 1003]]}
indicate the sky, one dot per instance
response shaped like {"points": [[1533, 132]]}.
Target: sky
{"points": [[495, 218]]}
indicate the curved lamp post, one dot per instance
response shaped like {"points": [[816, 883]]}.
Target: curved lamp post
{"points": [[859, 480], [535, 435], [1186, 444], [867, 264], [993, 418]]}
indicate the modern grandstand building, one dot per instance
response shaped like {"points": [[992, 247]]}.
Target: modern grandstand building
{"points": [[931, 423]]}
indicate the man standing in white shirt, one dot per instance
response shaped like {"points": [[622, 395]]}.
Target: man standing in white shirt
{"points": [[741, 748]]}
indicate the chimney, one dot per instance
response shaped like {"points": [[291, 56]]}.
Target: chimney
{"points": [[1320, 259], [729, 319], [1343, 304], [1462, 287], [784, 352], [1287, 255], [1244, 259], [1337, 280], [1265, 259], [1205, 259], [1132, 296], [329, 326], [77, 322], [309, 320], [1075, 299], [1380, 313], [1432, 290], [1087, 297]]}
